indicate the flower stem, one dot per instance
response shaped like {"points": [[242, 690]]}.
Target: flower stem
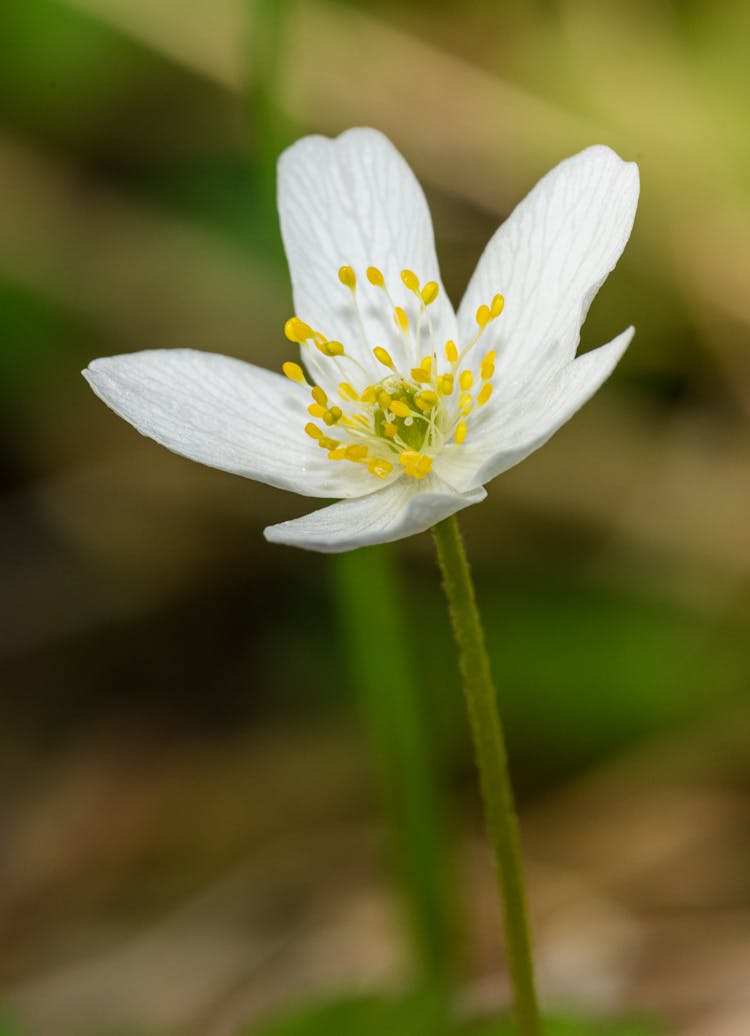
{"points": [[492, 761]]}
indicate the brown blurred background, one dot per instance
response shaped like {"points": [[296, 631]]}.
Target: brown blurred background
{"points": [[191, 832]]}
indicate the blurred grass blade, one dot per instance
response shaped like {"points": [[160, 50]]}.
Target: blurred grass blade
{"points": [[373, 625], [272, 130], [413, 1015]]}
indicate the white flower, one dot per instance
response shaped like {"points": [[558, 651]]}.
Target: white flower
{"points": [[410, 408]]}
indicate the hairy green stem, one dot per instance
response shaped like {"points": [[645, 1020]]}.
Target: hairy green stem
{"points": [[492, 761]]}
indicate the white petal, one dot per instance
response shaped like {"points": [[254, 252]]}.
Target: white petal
{"points": [[550, 258], [402, 509], [508, 434], [353, 201], [225, 413]]}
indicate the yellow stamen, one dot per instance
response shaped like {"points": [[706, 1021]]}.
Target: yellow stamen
{"points": [[416, 465], [380, 468], [488, 365], [294, 372], [405, 413], [384, 357], [426, 400], [330, 348], [410, 280], [297, 330], [497, 306], [348, 277]]}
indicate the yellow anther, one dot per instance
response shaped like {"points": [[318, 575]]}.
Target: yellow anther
{"points": [[294, 372], [313, 431], [347, 391], [445, 384], [416, 465], [375, 277], [348, 277], [426, 400], [369, 395], [466, 404], [316, 410], [389, 429], [356, 452], [421, 375], [380, 468], [488, 365], [426, 363], [466, 380], [461, 429], [484, 393], [328, 444], [329, 417], [331, 348], [336, 413], [402, 321], [399, 408], [319, 395], [410, 279], [297, 330], [483, 316], [384, 399], [430, 292], [383, 356], [451, 352], [497, 306], [337, 454]]}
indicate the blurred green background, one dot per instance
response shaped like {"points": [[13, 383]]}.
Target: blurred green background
{"points": [[194, 829]]}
